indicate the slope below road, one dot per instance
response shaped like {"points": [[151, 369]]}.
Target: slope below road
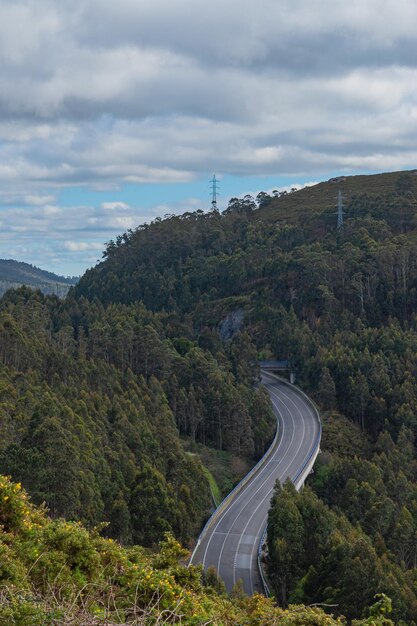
{"points": [[230, 540]]}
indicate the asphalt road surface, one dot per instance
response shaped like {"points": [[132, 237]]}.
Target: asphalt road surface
{"points": [[231, 539]]}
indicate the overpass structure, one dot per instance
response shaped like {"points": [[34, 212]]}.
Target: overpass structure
{"points": [[275, 366], [232, 538]]}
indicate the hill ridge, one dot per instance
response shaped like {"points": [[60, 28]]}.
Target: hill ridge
{"points": [[17, 273]]}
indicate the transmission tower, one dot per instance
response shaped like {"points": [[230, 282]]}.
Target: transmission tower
{"points": [[214, 192], [339, 210]]}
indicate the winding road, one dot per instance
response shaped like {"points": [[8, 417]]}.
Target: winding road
{"points": [[231, 538]]}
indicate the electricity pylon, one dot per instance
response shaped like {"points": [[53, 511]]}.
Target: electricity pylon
{"points": [[214, 192]]}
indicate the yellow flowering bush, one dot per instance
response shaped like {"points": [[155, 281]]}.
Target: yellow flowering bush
{"points": [[57, 573], [16, 512]]}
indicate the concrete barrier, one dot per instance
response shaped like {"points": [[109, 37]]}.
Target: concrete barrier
{"points": [[301, 476], [299, 479]]}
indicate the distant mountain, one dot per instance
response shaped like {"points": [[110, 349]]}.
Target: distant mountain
{"points": [[16, 273]]}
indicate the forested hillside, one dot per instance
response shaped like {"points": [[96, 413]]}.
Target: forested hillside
{"points": [[341, 306], [266, 250], [156, 349], [56, 573], [14, 274], [93, 401]]}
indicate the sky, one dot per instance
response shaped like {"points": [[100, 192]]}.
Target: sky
{"points": [[115, 113]]}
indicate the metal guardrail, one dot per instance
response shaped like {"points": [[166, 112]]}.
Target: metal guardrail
{"points": [[312, 455], [267, 591], [236, 489], [314, 451]]}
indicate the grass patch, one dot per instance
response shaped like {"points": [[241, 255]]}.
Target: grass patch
{"points": [[223, 469], [215, 490], [305, 203]]}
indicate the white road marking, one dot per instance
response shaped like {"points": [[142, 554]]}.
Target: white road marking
{"points": [[254, 494], [236, 500], [255, 545], [241, 560]]}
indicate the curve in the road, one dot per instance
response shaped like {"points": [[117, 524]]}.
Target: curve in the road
{"points": [[231, 538]]}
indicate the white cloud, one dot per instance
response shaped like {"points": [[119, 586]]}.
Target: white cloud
{"points": [[99, 94], [279, 188], [114, 206], [39, 200], [67, 240], [81, 246], [50, 209], [155, 91]]}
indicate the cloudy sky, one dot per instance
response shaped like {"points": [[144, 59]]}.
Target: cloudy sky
{"points": [[115, 112]]}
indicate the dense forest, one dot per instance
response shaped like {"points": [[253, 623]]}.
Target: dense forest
{"points": [[55, 572], [340, 304], [94, 400], [159, 343]]}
